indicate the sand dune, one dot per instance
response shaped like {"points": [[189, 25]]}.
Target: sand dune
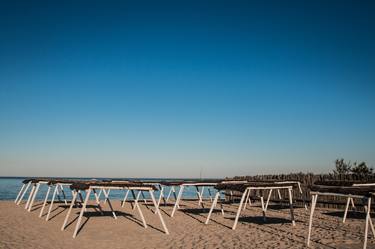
{"points": [[20, 229]]}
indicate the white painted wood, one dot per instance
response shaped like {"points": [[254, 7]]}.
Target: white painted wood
{"points": [[213, 205], [263, 207], [140, 211], [134, 198], [81, 213], [100, 193], [209, 194], [371, 224], [106, 194], [170, 192], [314, 198], [176, 205], [367, 221], [137, 198], [34, 196], [247, 200], [45, 201], [291, 205], [174, 194], [74, 198], [346, 209], [98, 202], [63, 192], [24, 192], [268, 199], [303, 196], [157, 211], [199, 195], [279, 194], [125, 198], [239, 209], [161, 195], [110, 206], [19, 193], [51, 204], [30, 196]]}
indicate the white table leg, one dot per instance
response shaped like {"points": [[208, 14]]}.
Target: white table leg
{"points": [[177, 200], [158, 211], [98, 202], [51, 204], [246, 200], [239, 209], [106, 194], [170, 192], [74, 198], [371, 224], [175, 197], [100, 193], [346, 209], [30, 196], [24, 192], [279, 194], [19, 193], [314, 199], [367, 221], [268, 200], [291, 206], [125, 197], [110, 206], [199, 195], [161, 195], [34, 196], [140, 211], [45, 201], [209, 193], [82, 211], [62, 190], [263, 207], [213, 205], [134, 199]]}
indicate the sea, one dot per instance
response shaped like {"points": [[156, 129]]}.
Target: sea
{"points": [[10, 186]]}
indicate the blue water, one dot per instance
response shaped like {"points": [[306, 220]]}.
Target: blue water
{"points": [[9, 188]]}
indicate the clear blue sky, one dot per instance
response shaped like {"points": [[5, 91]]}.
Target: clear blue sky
{"points": [[169, 89]]}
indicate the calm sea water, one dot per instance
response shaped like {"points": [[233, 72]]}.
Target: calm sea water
{"points": [[9, 188]]}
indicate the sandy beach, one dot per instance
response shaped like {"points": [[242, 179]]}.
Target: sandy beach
{"points": [[21, 229]]}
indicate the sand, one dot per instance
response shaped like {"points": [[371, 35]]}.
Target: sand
{"points": [[21, 229]]}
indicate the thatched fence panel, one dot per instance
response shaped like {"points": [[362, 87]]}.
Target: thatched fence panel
{"points": [[306, 180]]}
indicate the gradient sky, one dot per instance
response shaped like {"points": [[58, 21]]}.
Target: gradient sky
{"points": [[172, 89]]}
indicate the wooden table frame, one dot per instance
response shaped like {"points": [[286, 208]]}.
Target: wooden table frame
{"points": [[57, 186], [94, 188], [279, 194], [199, 193], [22, 192], [32, 195], [264, 207], [366, 200], [350, 201]]}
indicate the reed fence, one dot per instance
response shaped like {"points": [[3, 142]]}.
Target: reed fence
{"points": [[307, 180]]}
